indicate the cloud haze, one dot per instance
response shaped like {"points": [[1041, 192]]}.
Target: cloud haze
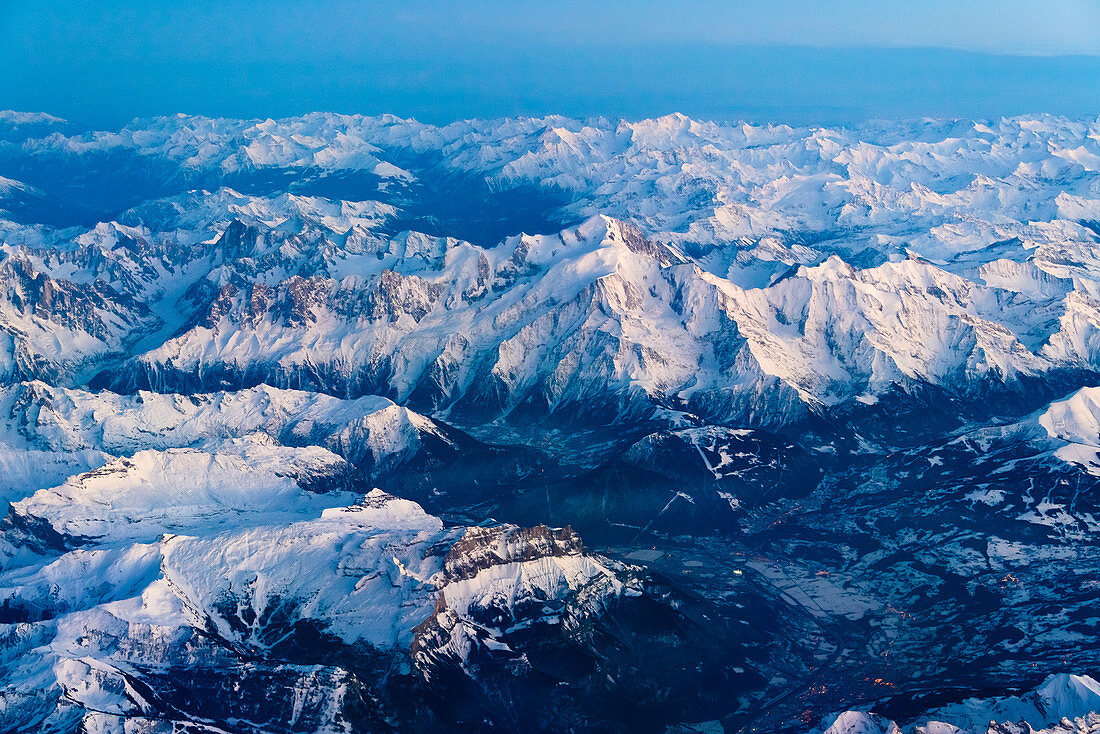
{"points": [[792, 59]]}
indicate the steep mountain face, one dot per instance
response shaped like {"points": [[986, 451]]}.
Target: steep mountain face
{"points": [[302, 423], [54, 328]]}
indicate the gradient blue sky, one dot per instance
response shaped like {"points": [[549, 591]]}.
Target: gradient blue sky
{"points": [[103, 63]]}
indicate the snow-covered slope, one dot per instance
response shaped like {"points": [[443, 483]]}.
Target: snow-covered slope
{"points": [[1063, 704], [804, 375], [598, 313], [601, 314], [928, 180], [1075, 424], [96, 625], [801, 268], [182, 490], [371, 432]]}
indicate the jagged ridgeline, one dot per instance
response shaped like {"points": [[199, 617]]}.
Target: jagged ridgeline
{"points": [[358, 424]]}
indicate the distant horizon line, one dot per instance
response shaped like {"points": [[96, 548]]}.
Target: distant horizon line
{"points": [[765, 83], [48, 118]]}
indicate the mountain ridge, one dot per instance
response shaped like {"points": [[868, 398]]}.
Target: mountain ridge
{"points": [[302, 423]]}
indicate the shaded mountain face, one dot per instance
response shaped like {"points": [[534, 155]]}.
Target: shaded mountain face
{"points": [[357, 424]]}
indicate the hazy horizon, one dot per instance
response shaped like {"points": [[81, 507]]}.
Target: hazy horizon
{"points": [[791, 62]]}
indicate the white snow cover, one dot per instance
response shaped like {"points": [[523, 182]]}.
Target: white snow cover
{"points": [[40, 416], [257, 556], [48, 434], [955, 180], [1075, 424], [755, 273], [1062, 704], [800, 267], [245, 481], [1076, 419], [597, 309], [365, 571], [14, 117], [861, 722]]}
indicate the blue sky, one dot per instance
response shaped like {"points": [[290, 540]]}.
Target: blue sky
{"points": [[105, 62]]}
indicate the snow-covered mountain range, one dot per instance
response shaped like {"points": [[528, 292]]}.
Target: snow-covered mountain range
{"points": [[302, 423]]}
